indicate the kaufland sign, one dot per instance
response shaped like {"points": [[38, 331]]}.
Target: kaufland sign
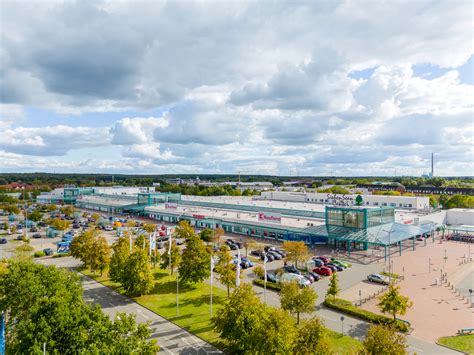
{"points": [[171, 206], [269, 217]]}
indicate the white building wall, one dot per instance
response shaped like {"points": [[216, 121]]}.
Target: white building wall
{"points": [[457, 216], [123, 190], [408, 202]]}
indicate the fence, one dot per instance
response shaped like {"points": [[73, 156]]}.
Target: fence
{"points": [[376, 294]]}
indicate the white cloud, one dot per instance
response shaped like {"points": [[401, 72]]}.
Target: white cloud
{"points": [[136, 130]]}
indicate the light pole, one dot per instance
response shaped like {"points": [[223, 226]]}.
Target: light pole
{"points": [[360, 297], [212, 277], [342, 325], [265, 277], [470, 296], [389, 250]]}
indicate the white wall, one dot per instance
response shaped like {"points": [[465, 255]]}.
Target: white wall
{"points": [[408, 202], [457, 216]]}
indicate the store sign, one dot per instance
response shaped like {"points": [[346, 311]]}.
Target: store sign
{"points": [[341, 200], [269, 217], [171, 206], [199, 216], [410, 221]]}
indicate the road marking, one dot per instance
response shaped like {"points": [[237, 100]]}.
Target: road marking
{"points": [[334, 320], [420, 350]]}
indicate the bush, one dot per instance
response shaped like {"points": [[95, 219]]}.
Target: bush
{"points": [[393, 276], [347, 307], [39, 254], [270, 285], [61, 255]]}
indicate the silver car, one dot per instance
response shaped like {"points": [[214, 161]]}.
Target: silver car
{"points": [[377, 278]]}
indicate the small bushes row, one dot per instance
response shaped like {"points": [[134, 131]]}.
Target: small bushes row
{"points": [[61, 255], [39, 254], [270, 285], [347, 307]]}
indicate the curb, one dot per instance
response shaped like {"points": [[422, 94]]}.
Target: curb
{"points": [[131, 299], [450, 348]]}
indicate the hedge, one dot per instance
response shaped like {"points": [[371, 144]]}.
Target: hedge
{"points": [[346, 307], [39, 254], [270, 285], [61, 255]]}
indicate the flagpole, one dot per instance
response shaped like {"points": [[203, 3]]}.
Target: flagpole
{"points": [[237, 274], [169, 252], [265, 279], [212, 277]]}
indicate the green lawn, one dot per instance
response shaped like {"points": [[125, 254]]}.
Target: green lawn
{"points": [[194, 309], [464, 343], [343, 345]]}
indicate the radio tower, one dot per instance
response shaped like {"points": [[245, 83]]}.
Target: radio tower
{"points": [[432, 164]]}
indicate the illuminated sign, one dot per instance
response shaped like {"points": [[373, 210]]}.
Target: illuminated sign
{"points": [[269, 217], [199, 216], [171, 206]]}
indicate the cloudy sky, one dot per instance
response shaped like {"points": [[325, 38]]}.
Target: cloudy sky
{"points": [[270, 87]]}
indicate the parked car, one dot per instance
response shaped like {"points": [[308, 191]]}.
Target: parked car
{"points": [[256, 252], [37, 235], [42, 224], [338, 267], [332, 267], [271, 276], [318, 262], [239, 244], [269, 248], [3, 241], [316, 277], [229, 241], [291, 269], [247, 260], [339, 262], [270, 257], [275, 255], [48, 251], [377, 278], [76, 226], [33, 229], [325, 259], [281, 252], [233, 246], [309, 277], [289, 277], [323, 270]]}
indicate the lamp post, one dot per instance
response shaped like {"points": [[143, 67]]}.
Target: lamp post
{"points": [[389, 249], [342, 325], [470, 296], [360, 297], [212, 277]]}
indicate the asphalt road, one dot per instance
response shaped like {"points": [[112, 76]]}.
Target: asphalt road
{"points": [[171, 338]]}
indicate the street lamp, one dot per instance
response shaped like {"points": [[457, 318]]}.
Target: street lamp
{"points": [[342, 325], [360, 297], [470, 296], [389, 250]]}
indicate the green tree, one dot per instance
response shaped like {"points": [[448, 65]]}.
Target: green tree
{"points": [[195, 262], [225, 268], [121, 252], [67, 210], [359, 200], [138, 276], [46, 305], [312, 338], [207, 235], [382, 340], [252, 327], [297, 251], [259, 271], [103, 251], [295, 299], [394, 303], [333, 289], [149, 227], [175, 257], [35, 216], [60, 224], [92, 249], [12, 209], [52, 207]]}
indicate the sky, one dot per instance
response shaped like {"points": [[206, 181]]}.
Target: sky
{"points": [[346, 88]]}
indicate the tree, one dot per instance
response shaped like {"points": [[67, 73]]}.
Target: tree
{"points": [[359, 200], [312, 338], [394, 303], [259, 271], [195, 261], [175, 256], [252, 327], [207, 235], [67, 210], [295, 299], [218, 234], [12, 209], [333, 289], [60, 224], [119, 259], [150, 228], [225, 268], [95, 217], [297, 251], [52, 207], [249, 244], [35, 216], [138, 276], [102, 249], [184, 231], [92, 249], [382, 340], [46, 305]]}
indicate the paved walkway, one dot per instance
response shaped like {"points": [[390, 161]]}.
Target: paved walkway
{"points": [[171, 338]]}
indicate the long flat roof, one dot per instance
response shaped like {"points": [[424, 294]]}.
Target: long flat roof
{"points": [[234, 216], [106, 201]]}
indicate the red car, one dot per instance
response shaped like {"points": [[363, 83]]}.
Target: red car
{"points": [[323, 270], [325, 259]]}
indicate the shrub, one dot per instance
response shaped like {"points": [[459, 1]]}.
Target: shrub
{"points": [[270, 285], [61, 255], [347, 307], [39, 254]]}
